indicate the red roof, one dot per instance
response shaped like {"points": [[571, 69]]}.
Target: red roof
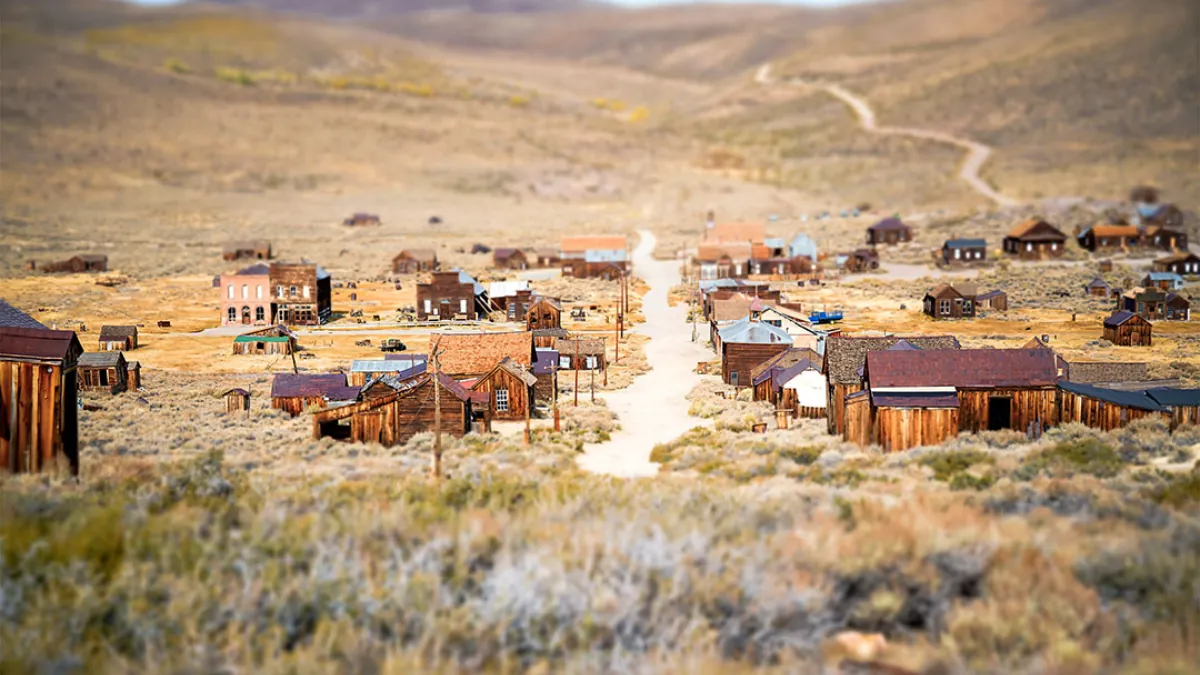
{"points": [[39, 344], [961, 368], [583, 243], [330, 385]]}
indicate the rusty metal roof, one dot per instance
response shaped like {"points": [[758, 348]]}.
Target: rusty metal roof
{"points": [[961, 368], [39, 344], [845, 356], [306, 385], [11, 317]]}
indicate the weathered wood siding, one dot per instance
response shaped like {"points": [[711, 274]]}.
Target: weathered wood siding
{"points": [[236, 403], [518, 394], [837, 406], [38, 417], [1132, 333], [811, 413], [740, 359], [398, 419], [294, 405], [115, 380], [856, 421], [1098, 414], [1028, 406], [544, 389], [899, 429], [447, 298]]}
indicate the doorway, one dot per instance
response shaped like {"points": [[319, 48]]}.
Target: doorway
{"points": [[999, 413]]}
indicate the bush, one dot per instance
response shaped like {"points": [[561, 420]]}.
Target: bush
{"points": [[236, 76], [1090, 456]]}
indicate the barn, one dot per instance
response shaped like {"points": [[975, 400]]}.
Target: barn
{"points": [[38, 415], [391, 412], [274, 340], [510, 390], [1126, 329], [294, 393], [103, 370], [118, 338]]}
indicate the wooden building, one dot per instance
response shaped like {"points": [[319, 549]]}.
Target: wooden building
{"points": [[294, 393], [1109, 238], [271, 341], [595, 257], [246, 250], [390, 413], [415, 260], [797, 388], [950, 302], [1179, 263], [303, 293], [38, 416], [133, 370], [1098, 288], [921, 397], [781, 267], [509, 259], [510, 390], [545, 369], [860, 260], [1167, 237], [889, 232], [463, 355], [581, 354], [1183, 405], [88, 262], [505, 295], [1177, 308], [543, 313], [1035, 239], [548, 258], [1166, 216], [793, 322], [118, 338], [744, 345], [845, 358], [362, 220], [1126, 329], [451, 295], [403, 367], [991, 301], [1105, 409], [1148, 303], [1167, 281], [237, 401], [964, 252], [103, 370]]}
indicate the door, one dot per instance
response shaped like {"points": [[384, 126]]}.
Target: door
{"points": [[246, 316], [999, 413]]}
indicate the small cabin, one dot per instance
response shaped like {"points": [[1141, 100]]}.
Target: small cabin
{"points": [[237, 401], [964, 251], [509, 259], [889, 232], [580, 354], [1180, 263], [38, 384], [860, 260], [1098, 288], [1035, 239], [88, 262], [390, 413], [1167, 281], [1148, 303], [294, 393], [1177, 308], [104, 370], [272, 341], [992, 301], [510, 390], [949, 302], [543, 313], [745, 344], [118, 338], [1126, 329], [362, 220], [1110, 238], [414, 260], [133, 370]]}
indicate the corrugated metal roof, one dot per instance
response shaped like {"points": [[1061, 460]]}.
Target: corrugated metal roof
{"points": [[408, 368], [1126, 399], [39, 344], [961, 368], [753, 332], [464, 278], [11, 317]]}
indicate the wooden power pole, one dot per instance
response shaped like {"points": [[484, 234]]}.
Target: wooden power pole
{"points": [[554, 371], [575, 363], [437, 416]]}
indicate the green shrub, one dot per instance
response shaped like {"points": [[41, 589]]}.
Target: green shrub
{"points": [[176, 66], [1090, 456], [803, 456], [967, 481], [946, 465], [236, 76]]}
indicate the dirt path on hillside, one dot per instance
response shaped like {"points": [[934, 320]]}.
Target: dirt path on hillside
{"points": [[654, 408], [977, 153]]}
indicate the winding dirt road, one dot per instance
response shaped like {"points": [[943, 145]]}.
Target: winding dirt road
{"points": [[977, 153], [653, 409]]}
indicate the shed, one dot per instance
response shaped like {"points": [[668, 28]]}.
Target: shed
{"points": [[1182, 404], [1177, 308], [134, 375], [964, 251], [889, 231], [580, 354], [103, 370], [87, 262], [295, 392], [1035, 239], [510, 390], [1105, 409], [543, 313], [993, 301], [1126, 329], [118, 338], [38, 392], [414, 260], [275, 340], [474, 354], [1098, 288], [236, 400], [391, 412]]}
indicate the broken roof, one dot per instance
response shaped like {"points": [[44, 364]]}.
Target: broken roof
{"points": [[101, 359], [961, 368], [477, 353], [11, 317], [38, 344], [846, 355], [117, 332]]}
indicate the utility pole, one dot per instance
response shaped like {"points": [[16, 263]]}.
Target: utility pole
{"points": [[554, 372], [437, 415], [593, 372], [528, 405], [575, 363]]}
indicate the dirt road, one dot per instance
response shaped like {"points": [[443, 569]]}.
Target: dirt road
{"points": [[977, 153], [653, 409]]}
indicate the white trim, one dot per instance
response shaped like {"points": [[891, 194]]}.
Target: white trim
{"points": [[914, 390]]}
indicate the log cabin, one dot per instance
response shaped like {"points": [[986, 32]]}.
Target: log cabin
{"points": [[889, 232], [390, 412], [103, 370], [464, 355], [118, 338], [921, 397], [451, 295], [39, 426], [745, 344], [246, 250], [415, 260], [271, 341], [294, 393], [964, 252], [1126, 329], [399, 366], [1035, 239], [1179, 263], [236, 401], [1105, 409], [845, 358], [509, 389]]}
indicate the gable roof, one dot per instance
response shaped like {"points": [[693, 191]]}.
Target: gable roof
{"points": [[1182, 256], [117, 332], [943, 289], [1097, 283], [584, 243], [101, 359], [464, 278], [730, 309], [477, 353], [1121, 317], [990, 295], [419, 254], [1178, 300], [965, 243], [844, 356], [1164, 276], [1106, 230], [785, 359], [1125, 399], [38, 344], [402, 369], [961, 368], [1036, 229], [540, 299], [512, 368], [746, 331], [11, 317], [567, 346], [503, 252], [311, 385], [737, 232], [255, 270], [889, 224]]}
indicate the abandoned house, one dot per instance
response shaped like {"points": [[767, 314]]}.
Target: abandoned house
{"points": [[510, 390], [1179, 263], [451, 295], [716, 260], [581, 354], [731, 233], [87, 262], [991, 301], [915, 397], [1183, 405], [403, 367], [246, 250], [1167, 281], [103, 370], [510, 259], [294, 393], [462, 355], [792, 380], [415, 260], [1108, 238], [889, 232], [270, 341], [845, 358], [1098, 288], [1177, 308], [950, 302], [391, 412], [804, 335], [780, 266], [1148, 303], [1167, 237], [361, 220], [1166, 216], [1035, 239], [133, 375], [1105, 409], [303, 293], [859, 260], [504, 294], [38, 391], [547, 257], [745, 344], [246, 298], [543, 313], [964, 251], [236, 401], [595, 257], [118, 338], [803, 246], [1126, 329]]}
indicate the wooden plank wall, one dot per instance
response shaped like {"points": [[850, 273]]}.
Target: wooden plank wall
{"points": [[294, 405], [1028, 405], [904, 428], [856, 424], [36, 427], [837, 406], [1099, 414], [742, 358], [518, 394]]}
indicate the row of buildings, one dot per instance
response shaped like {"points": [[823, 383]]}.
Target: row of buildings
{"points": [[580, 257], [267, 294]]}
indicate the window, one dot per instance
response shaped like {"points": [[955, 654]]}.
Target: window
{"points": [[258, 292], [1054, 246], [564, 362], [428, 306], [957, 253], [260, 314], [591, 362], [1029, 246], [501, 400], [293, 291], [230, 291], [279, 291], [245, 291], [462, 306], [232, 314], [966, 306], [944, 307], [306, 292]]}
